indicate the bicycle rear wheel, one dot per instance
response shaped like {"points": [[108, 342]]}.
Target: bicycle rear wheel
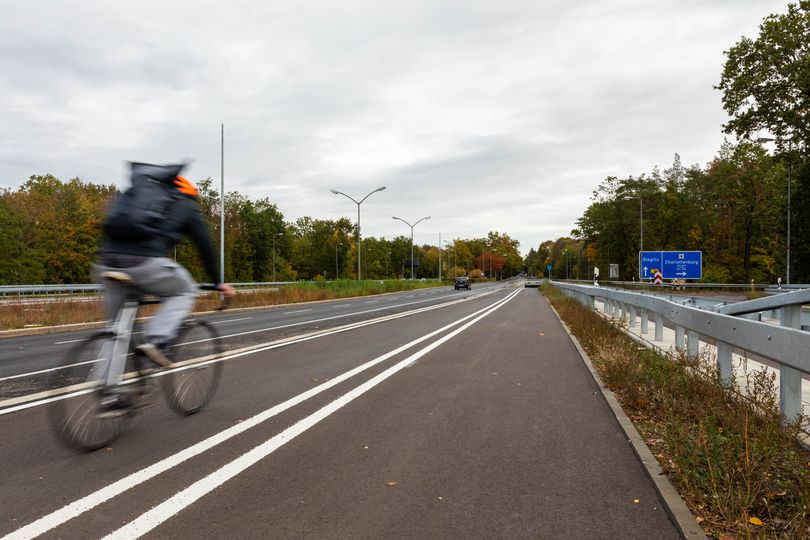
{"points": [[76, 417], [197, 352]]}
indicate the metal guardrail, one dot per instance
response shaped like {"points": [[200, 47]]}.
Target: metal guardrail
{"points": [[787, 345], [93, 288]]}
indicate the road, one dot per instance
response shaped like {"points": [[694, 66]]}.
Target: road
{"points": [[454, 414]]}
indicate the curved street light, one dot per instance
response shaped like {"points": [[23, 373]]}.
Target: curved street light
{"points": [[412, 226], [358, 203]]}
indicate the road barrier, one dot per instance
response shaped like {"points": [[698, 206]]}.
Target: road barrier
{"points": [[92, 288], [730, 326]]}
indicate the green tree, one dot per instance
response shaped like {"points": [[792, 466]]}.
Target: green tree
{"points": [[766, 81]]}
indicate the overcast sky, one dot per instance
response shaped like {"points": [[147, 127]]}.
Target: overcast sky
{"points": [[485, 115]]}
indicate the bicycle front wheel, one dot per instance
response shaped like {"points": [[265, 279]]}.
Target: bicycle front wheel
{"points": [[197, 355], [76, 415]]}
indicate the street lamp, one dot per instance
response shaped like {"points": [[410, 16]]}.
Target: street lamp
{"points": [[790, 173], [567, 260], [411, 226], [336, 192], [274, 255], [455, 258], [337, 272]]}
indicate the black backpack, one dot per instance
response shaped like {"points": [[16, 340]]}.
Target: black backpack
{"points": [[140, 212]]}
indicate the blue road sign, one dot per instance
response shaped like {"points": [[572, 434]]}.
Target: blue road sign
{"points": [[671, 264]]}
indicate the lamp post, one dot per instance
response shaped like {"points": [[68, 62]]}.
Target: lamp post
{"points": [[640, 225], [567, 258], [790, 173], [455, 259], [387, 259], [337, 272], [411, 226], [274, 254], [358, 203]]}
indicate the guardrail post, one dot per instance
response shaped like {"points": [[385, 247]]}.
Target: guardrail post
{"points": [[679, 338], [724, 364], [790, 380], [659, 327], [645, 317], [693, 344], [632, 316]]}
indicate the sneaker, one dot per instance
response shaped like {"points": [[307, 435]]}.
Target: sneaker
{"points": [[113, 405], [156, 354]]}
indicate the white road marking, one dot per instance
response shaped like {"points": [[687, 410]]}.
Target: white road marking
{"points": [[170, 507], [296, 311], [34, 400], [231, 320], [70, 511]]}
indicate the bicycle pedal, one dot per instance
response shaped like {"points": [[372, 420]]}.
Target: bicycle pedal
{"points": [[155, 355]]}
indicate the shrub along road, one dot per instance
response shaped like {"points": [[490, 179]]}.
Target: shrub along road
{"points": [[476, 420]]}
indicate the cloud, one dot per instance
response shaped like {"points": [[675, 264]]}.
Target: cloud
{"points": [[487, 116]]}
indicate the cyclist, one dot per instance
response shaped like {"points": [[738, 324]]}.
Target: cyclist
{"points": [[143, 258]]}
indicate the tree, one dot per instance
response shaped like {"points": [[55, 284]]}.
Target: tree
{"points": [[766, 82]]}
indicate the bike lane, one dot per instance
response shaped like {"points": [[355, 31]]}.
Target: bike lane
{"points": [[501, 432]]}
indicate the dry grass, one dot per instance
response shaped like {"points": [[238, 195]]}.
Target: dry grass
{"points": [[740, 470], [30, 312]]}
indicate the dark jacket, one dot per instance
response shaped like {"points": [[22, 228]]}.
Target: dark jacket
{"points": [[185, 219]]}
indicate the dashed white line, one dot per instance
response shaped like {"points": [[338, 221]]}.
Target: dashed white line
{"points": [[70, 511]]}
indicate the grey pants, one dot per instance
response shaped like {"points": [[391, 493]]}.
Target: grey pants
{"points": [[161, 277]]}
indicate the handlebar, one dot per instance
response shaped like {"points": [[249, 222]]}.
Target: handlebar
{"points": [[226, 300]]}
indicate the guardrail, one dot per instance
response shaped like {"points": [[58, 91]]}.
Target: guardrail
{"points": [[728, 326], [93, 288]]}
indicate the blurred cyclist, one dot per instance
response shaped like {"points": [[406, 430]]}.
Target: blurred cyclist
{"points": [[140, 229]]}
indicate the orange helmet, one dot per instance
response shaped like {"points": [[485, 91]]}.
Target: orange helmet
{"points": [[185, 186]]}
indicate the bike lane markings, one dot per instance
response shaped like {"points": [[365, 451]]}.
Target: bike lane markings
{"points": [[172, 506], [88, 502]]}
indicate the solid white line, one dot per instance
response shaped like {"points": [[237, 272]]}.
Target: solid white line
{"points": [[70, 511], [162, 512], [26, 402]]}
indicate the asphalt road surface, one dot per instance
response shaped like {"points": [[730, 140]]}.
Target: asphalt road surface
{"points": [[453, 414]]}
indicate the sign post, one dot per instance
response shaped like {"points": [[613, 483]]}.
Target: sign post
{"points": [[671, 264]]}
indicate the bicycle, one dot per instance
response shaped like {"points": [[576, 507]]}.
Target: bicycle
{"points": [[189, 374]]}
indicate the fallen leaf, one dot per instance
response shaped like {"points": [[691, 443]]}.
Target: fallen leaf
{"points": [[542, 334], [392, 483], [636, 501], [755, 521]]}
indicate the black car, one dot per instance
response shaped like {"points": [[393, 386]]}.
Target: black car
{"points": [[462, 282]]}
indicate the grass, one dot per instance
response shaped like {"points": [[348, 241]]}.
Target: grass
{"points": [[740, 470], [30, 312]]}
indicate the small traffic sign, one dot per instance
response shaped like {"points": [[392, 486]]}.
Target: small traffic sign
{"points": [[671, 264]]}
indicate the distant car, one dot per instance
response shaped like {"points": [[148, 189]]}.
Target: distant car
{"points": [[532, 281], [462, 282]]}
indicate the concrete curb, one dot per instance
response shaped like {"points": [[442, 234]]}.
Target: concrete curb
{"points": [[676, 508]]}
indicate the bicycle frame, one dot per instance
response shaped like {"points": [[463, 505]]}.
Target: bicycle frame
{"points": [[122, 336]]}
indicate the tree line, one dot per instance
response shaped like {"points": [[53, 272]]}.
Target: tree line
{"points": [[50, 231], [745, 207]]}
